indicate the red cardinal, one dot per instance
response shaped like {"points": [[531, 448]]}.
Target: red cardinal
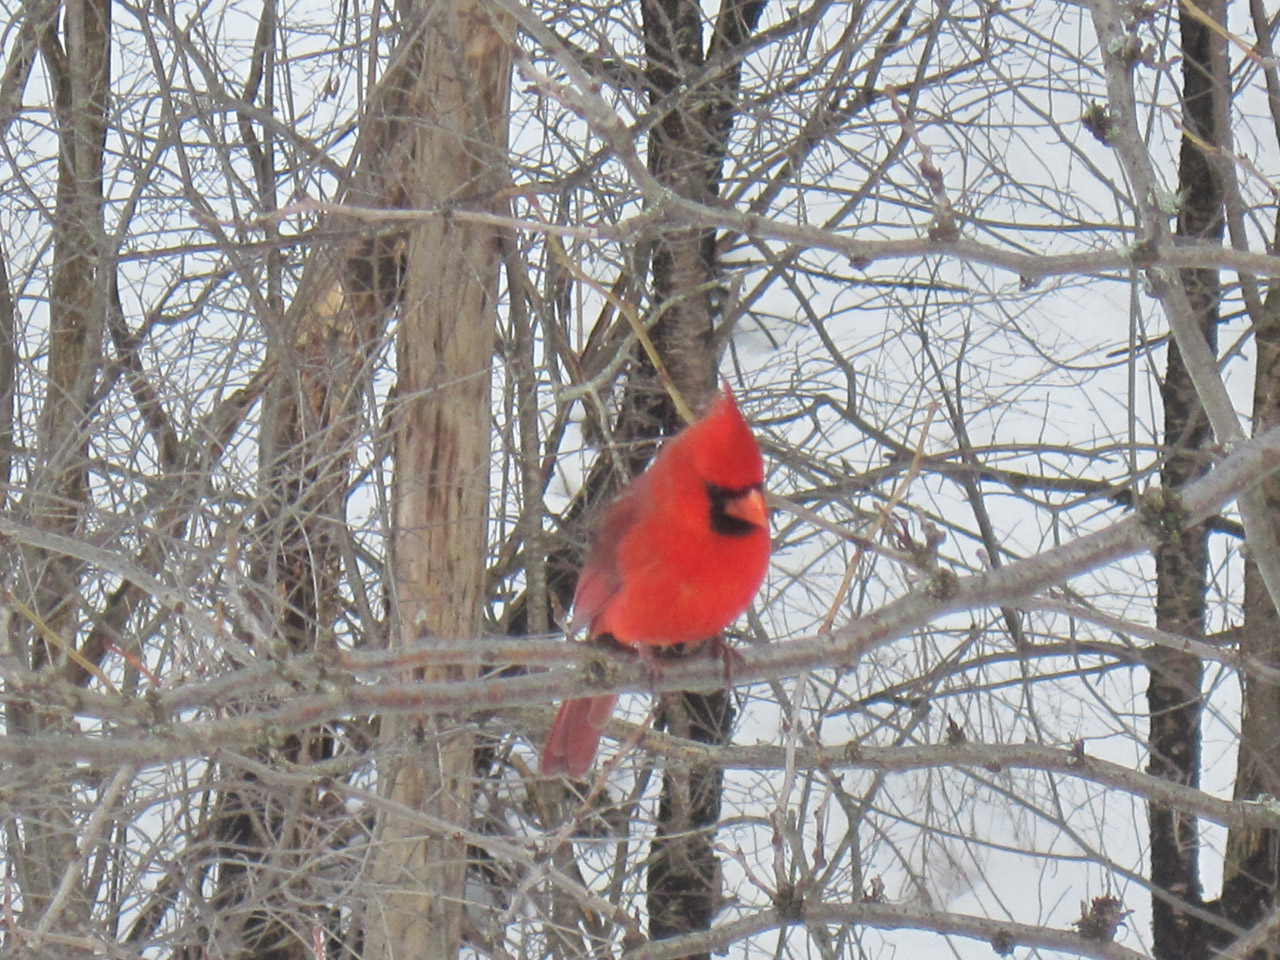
{"points": [[677, 558]]}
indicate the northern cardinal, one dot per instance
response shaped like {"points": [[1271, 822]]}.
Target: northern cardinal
{"points": [[677, 557]]}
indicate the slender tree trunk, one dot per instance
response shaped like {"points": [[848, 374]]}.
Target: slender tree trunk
{"points": [[78, 67], [1251, 872], [441, 489], [1252, 866], [1173, 691], [8, 372], [293, 566], [686, 152]]}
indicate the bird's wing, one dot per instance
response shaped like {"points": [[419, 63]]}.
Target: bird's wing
{"points": [[601, 577]]}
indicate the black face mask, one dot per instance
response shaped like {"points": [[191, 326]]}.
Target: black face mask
{"points": [[722, 522]]}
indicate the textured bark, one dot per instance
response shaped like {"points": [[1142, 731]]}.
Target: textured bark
{"points": [[1252, 863], [1173, 691], [441, 489], [1252, 867], [686, 152], [333, 329], [78, 66]]}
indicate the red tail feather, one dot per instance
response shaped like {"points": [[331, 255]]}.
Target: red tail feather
{"points": [[575, 735]]}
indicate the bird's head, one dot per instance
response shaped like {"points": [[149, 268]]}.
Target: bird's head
{"points": [[723, 449], [727, 459]]}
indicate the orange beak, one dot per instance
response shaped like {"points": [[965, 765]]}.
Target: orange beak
{"points": [[749, 507]]}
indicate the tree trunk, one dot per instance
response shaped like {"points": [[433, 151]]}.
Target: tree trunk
{"points": [[686, 153], [1173, 691], [441, 488], [334, 329], [78, 66], [1251, 870]]}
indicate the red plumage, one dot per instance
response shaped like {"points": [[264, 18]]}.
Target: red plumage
{"points": [[677, 557]]}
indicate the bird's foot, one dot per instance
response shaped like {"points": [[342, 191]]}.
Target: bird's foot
{"points": [[730, 657], [651, 658]]}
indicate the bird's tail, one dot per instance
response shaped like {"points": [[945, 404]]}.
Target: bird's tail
{"points": [[575, 735]]}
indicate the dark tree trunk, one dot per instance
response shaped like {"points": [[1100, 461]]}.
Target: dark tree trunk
{"points": [[686, 152], [1173, 692], [1252, 868]]}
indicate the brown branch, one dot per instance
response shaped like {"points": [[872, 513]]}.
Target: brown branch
{"points": [[1010, 585], [1003, 935]]}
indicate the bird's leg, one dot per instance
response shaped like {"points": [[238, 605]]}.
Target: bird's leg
{"points": [[728, 655], [650, 657]]}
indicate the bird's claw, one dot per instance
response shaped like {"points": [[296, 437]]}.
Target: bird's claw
{"points": [[728, 655], [650, 658]]}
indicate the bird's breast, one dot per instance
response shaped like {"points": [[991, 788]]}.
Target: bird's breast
{"points": [[682, 586]]}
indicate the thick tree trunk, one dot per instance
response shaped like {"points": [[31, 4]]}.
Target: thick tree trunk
{"points": [[1173, 691], [334, 328], [441, 491]]}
